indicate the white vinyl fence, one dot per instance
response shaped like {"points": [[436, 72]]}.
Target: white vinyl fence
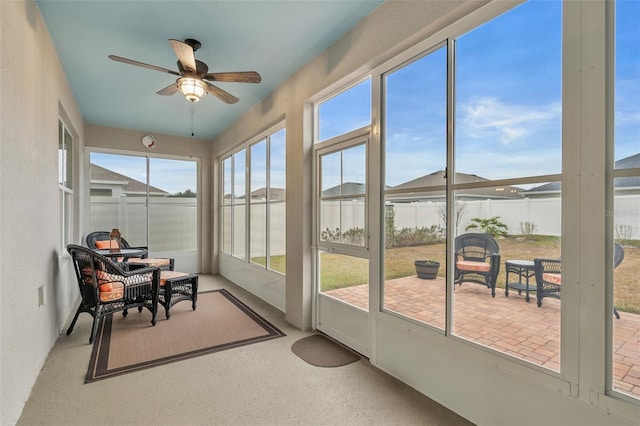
{"points": [[544, 213], [172, 221]]}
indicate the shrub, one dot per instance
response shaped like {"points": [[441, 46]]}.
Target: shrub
{"points": [[491, 226], [625, 233], [354, 236], [528, 228], [408, 237], [330, 235]]}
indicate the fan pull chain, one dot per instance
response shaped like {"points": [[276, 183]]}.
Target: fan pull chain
{"points": [[191, 107], [192, 134]]}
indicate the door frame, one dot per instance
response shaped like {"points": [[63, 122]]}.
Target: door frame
{"points": [[345, 322]]}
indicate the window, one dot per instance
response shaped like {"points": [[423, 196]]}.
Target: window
{"points": [[267, 224], [227, 205], [502, 167], [342, 200], [332, 121], [233, 204], [415, 138], [101, 192], [508, 133], [256, 174], [152, 201], [239, 211], [65, 184], [626, 213], [277, 202]]}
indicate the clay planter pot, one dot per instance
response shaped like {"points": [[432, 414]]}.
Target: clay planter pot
{"points": [[427, 269]]}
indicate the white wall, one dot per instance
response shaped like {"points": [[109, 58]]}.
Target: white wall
{"points": [[33, 89]]}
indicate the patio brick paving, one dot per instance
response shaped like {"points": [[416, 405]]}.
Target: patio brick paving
{"points": [[507, 324]]}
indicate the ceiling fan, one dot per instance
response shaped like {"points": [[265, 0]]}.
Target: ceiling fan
{"points": [[193, 74]]}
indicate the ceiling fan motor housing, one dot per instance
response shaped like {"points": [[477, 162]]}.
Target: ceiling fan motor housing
{"points": [[195, 44]]}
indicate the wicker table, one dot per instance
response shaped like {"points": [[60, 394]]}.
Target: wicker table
{"points": [[523, 268], [175, 287], [124, 253]]}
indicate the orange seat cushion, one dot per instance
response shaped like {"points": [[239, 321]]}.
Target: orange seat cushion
{"points": [[107, 244], [111, 291], [164, 275], [552, 278], [468, 265], [159, 262]]}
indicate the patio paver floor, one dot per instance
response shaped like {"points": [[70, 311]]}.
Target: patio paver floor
{"points": [[507, 324]]}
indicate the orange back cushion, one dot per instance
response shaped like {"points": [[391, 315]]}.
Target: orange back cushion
{"points": [[107, 244]]}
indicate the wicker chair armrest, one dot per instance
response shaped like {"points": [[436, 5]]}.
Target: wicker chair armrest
{"points": [[495, 266], [140, 271]]}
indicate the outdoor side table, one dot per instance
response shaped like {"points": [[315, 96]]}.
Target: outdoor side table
{"points": [[124, 253], [523, 269]]}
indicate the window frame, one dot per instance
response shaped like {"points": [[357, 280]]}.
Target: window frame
{"points": [[248, 203], [66, 175]]}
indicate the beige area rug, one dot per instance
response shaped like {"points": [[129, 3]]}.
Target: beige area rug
{"points": [[321, 351], [127, 344]]}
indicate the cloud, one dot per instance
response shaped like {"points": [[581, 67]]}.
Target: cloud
{"points": [[627, 117], [492, 118]]}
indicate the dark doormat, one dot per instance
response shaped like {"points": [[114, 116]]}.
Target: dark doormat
{"points": [[321, 351]]}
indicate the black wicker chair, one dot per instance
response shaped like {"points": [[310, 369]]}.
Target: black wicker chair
{"points": [[166, 264], [549, 279], [106, 288], [477, 260]]}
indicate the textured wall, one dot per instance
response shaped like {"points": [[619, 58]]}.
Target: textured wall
{"points": [[34, 94]]}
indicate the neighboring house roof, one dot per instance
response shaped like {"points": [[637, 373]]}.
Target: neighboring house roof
{"points": [[437, 178], [131, 186], [277, 194], [347, 188], [630, 162]]}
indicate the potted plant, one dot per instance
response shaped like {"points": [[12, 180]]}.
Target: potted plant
{"points": [[427, 269]]}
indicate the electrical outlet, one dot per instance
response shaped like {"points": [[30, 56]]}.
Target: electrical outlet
{"points": [[41, 295]]}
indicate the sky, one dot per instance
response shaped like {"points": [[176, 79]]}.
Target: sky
{"points": [[507, 99], [169, 175], [508, 106]]}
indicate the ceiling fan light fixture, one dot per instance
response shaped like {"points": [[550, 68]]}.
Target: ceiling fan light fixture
{"points": [[192, 88]]}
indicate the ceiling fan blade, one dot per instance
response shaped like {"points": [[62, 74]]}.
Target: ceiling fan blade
{"points": [[141, 64], [234, 77], [224, 96], [185, 55], [169, 90]]}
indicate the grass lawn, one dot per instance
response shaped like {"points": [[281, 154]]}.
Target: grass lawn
{"points": [[339, 271], [278, 263]]}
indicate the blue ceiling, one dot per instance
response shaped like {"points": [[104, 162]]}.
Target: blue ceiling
{"points": [[273, 37]]}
